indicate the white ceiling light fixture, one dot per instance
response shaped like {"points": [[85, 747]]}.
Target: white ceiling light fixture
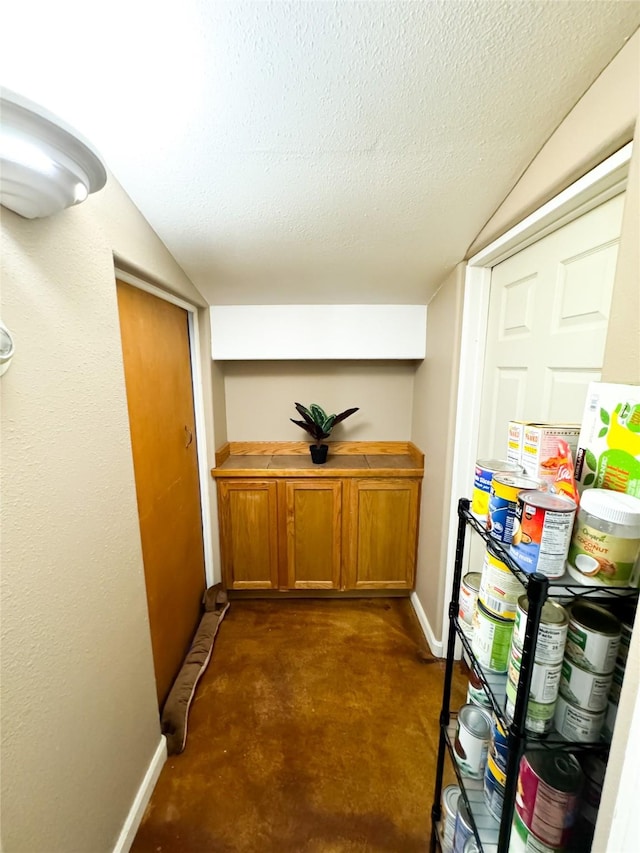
{"points": [[45, 165]]}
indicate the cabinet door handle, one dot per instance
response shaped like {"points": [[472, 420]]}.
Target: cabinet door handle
{"points": [[189, 436]]}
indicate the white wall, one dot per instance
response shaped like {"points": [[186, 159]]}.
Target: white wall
{"points": [[79, 715], [260, 398], [435, 395]]}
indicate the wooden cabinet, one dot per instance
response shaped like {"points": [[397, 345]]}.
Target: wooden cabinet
{"points": [[384, 527], [311, 529], [248, 514], [350, 525]]}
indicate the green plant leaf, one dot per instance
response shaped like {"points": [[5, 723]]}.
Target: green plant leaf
{"points": [[327, 426], [590, 459], [602, 432], [604, 416], [589, 479], [318, 414]]}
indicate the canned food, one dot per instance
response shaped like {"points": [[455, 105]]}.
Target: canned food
{"points": [[472, 740], [476, 694], [491, 639], [522, 840], [449, 807], [552, 634], [463, 829], [542, 532], [583, 688], [469, 587], [494, 781], [577, 724], [471, 845], [485, 469], [500, 589], [593, 637], [547, 794], [539, 719], [545, 678], [503, 499], [499, 744]]}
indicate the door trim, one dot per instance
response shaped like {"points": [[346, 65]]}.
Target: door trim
{"points": [[198, 406], [605, 181]]}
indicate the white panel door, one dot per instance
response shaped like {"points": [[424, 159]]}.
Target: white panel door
{"points": [[547, 324]]}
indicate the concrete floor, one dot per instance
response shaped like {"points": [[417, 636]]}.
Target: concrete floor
{"points": [[314, 730]]}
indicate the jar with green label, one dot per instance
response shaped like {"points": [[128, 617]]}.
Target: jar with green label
{"points": [[605, 545]]}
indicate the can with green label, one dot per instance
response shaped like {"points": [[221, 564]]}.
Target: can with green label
{"points": [[593, 638], [491, 639]]}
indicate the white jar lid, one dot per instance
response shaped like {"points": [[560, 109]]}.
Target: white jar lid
{"points": [[615, 507]]}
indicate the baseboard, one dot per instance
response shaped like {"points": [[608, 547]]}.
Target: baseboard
{"points": [[142, 798], [434, 645]]}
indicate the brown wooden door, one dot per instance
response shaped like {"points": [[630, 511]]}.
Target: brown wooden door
{"points": [[311, 515], [384, 538], [157, 366], [248, 512]]}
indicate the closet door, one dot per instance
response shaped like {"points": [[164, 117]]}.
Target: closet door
{"points": [[157, 366], [547, 325]]}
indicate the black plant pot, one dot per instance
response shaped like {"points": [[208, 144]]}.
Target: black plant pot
{"points": [[319, 454]]}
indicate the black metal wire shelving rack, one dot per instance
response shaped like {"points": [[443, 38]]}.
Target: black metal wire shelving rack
{"points": [[493, 836]]}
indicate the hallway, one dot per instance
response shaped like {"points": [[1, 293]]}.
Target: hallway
{"points": [[314, 730]]}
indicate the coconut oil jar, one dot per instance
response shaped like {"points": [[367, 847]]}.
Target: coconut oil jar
{"points": [[605, 544]]}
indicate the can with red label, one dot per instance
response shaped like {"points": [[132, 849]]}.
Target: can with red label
{"points": [[547, 794], [524, 841], [542, 532]]}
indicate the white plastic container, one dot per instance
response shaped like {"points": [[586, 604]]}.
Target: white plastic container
{"points": [[605, 545]]}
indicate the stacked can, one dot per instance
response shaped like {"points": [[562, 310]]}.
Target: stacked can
{"points": [[499, 588], [613, 699], [547, 666], [542, 532], [503, 502], [476, 694], [590, 656], [495, 614], [469, 588], [449, 809], [485, 469], [495, 774], [463, 830], [546, 804], [472, 740]]}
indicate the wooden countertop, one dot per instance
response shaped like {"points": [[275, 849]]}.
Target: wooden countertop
{"points": [[346, 459]]}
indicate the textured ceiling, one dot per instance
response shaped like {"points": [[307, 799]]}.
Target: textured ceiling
{"points": [[314, 152]]}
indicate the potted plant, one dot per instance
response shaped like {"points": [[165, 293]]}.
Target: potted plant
{"points": [[319, 425]]}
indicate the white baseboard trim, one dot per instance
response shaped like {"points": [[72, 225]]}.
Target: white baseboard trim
{"points": [[434, 645], [134, 818]]}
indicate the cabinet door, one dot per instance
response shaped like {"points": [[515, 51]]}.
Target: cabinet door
{"points": [[384, 534], [311, 511], [248, 533]]}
